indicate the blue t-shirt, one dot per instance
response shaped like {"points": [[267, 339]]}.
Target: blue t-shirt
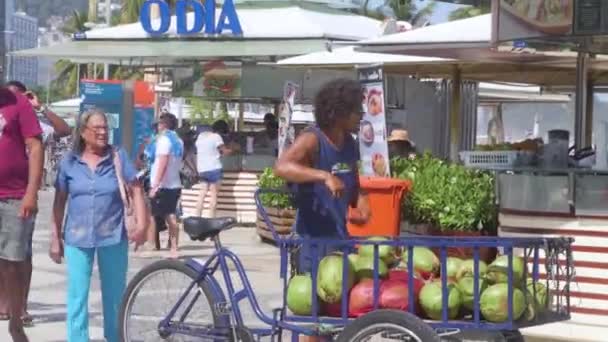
{"points": [[315, 203], [95, 215]]}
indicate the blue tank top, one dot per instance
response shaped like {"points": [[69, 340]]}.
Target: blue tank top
{"points": [[314, 201]]}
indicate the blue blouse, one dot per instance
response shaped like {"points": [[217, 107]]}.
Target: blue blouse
{"points": [[95, 216]]}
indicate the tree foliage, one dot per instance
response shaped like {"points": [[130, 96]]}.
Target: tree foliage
{"points": [[478, 7], [45, 9]]}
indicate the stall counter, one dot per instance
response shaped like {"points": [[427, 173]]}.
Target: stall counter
{"points": [[236, 196], [570, 203]]}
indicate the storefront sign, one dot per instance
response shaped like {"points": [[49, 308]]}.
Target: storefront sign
{"points": [[372, 134], [212, 79], [286, 130], [204, 17]]}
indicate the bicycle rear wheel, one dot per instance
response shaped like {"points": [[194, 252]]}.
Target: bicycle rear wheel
{"points": [[388, 325], [154, 292]]}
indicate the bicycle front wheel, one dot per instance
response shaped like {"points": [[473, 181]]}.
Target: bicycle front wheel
{"points": [[154, 292], [388, 325]]}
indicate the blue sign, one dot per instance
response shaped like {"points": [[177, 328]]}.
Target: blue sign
{"points": [[142, 126], [204, 17], [107, 97]]}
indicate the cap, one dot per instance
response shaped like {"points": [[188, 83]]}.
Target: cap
{"points": [[399, 135]]}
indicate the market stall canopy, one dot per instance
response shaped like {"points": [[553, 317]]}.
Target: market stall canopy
{"points": [[469, 42], [283, 30], [434, 67]]}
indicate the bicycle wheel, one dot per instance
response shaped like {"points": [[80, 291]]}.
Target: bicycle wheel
{"points": [[154, 292], [388, 325]]}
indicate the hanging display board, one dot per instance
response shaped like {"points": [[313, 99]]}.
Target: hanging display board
{"points": [[108, 97], [372, 133], [286, 130]]}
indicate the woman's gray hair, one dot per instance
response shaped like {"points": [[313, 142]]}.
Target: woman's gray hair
{"points": [[83, 120]]}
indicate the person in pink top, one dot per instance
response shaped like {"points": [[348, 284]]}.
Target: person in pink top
{"points": [[20, 177]]}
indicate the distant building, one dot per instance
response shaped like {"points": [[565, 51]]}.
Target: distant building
{"points": [[7, 9], [24, 36]]}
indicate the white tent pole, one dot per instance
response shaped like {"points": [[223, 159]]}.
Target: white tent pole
{"points": [[106, 66]]}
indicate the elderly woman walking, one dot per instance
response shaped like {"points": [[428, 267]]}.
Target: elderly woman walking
{"points": [[89, 180]]}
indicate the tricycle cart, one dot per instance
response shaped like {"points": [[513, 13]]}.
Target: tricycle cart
{"points": [[158, 307]]}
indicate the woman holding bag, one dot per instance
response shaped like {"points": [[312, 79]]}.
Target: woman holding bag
{"points": [[91, 180]]}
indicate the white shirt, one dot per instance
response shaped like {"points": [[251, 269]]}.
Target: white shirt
{"points": [[171, 178], [207, 152]]}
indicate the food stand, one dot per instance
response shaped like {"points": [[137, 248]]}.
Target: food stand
{"points": [[252, 36], [541, 198]]}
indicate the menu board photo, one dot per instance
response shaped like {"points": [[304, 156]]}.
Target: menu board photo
{"points": [[527, 19], [373, 146]]}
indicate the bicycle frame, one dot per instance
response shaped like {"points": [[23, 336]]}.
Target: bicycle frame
{"points": [[225, 307]]}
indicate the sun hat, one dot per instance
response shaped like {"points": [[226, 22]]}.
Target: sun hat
{"points": [[399, 135]]}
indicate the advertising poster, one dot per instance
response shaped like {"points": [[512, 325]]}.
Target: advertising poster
{"points": [[142, 127], [212, 79], [286, 130], [373, 146], [527, 19], [107, 96]]}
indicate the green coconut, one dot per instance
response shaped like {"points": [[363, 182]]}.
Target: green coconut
{"points": [[299, 295], [431, 302], [467, 269], [452, 265], [466, 286], [329, 278], [542, 295], [386, 253], [494, 303], [425, 261], [364, 268], [498, 270]]}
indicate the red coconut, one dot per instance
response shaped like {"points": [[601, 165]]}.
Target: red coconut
{"points": [[394, 294], [403, 275], [333, 309], [362, 298]]}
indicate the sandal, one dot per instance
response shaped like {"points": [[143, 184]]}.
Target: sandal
{"points": [[28, 320]]}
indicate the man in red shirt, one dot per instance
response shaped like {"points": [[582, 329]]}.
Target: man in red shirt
{"points": [[20, 177]]}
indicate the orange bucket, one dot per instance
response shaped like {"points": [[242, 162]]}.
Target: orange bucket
{"points": [[385, 196]]}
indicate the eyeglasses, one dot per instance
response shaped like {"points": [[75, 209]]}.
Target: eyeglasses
{"points": [[98, 129]]}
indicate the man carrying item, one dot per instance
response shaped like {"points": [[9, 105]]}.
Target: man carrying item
{"points": [[19, 184], [53, 127], [322, 166], [165, 179]]}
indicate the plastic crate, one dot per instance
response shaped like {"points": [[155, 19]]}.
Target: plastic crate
{"points": [[496, 159]]}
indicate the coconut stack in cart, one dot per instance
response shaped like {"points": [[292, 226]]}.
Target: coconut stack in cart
{"points": [[529, 297]]}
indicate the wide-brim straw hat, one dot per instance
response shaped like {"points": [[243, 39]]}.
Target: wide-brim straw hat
{"points": [[399, 135]]}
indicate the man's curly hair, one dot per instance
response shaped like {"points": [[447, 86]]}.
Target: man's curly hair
{"points": [[336, 99]]}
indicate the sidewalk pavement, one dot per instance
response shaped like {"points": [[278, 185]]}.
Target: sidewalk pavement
{"points": [[48, 292]]}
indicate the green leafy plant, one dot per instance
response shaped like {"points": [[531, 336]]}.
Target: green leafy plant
{"points": [[447, 196], [268, 180]]}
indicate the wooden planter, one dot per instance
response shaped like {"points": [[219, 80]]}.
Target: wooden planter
{"points": [[486, 254], [282, 221]]}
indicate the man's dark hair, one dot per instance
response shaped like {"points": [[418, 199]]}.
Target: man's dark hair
{"points": [[336, 99], [269, 117], [20, 86], [169, 120], [220, 127]]}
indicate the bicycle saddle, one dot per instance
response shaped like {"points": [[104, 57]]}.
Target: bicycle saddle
{"points": [[200, 228]]}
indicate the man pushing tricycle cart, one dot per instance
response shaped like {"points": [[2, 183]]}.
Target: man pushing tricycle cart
{"points": [[342, 288]]}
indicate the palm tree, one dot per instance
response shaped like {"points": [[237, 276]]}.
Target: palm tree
{"points": [[477, 8], [68, 73], [132, 8], [400, 10]]}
